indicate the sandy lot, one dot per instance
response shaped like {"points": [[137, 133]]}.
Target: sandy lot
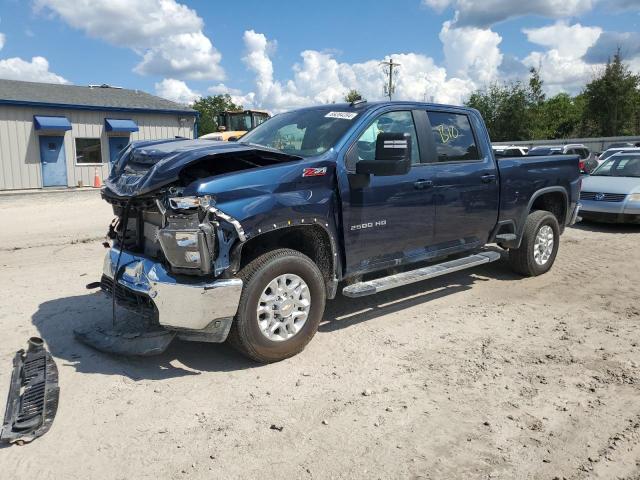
{"points": [[477, 375]]}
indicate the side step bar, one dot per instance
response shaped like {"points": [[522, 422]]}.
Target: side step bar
{"points": [[370, 287]]}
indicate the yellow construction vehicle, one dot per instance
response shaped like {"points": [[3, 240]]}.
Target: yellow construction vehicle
{"points": [[233, 124]]}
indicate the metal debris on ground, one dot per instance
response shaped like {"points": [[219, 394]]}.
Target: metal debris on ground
{"points": [[33, 395]]}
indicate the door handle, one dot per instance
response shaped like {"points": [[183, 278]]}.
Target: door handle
{"points": [[420, 184], [488, 178]]}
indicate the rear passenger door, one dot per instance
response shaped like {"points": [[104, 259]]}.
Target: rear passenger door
{"points": [[466, 190]]}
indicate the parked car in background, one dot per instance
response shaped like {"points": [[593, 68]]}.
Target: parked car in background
{"points": [[612, 151], [612, 192], [621, 145], [588, 161], [509, 150]]}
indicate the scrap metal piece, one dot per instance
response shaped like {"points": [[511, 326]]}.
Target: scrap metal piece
{"points": [[128, 343], [32, 402]]}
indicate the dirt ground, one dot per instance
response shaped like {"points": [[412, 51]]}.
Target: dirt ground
{"points": [[477, 375]]}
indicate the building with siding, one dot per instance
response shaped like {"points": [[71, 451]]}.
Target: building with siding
{"points": [[62, 135]]}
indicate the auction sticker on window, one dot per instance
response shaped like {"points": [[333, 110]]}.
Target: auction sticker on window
{"points": [[343, 115]]}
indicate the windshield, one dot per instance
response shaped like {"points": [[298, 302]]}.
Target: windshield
{"points": [[608, 153], [304, 132], [619, 166], [239, 122]]}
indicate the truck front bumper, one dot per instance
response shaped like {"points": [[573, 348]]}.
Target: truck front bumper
{"points": [[574, 215], [189, 306]]}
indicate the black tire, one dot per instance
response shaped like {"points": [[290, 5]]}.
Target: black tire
{"points": [[522, 259], [245, 334]]}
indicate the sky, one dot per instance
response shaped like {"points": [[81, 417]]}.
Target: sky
{"points": [[287, 54]]}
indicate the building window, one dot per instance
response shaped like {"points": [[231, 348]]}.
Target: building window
{"points": [[88, 150]]}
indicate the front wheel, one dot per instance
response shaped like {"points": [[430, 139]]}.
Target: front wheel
{"points": [[281, 306], [539, 246]]}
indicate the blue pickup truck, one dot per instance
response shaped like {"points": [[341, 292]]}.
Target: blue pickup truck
{"points": [[245, 241]]}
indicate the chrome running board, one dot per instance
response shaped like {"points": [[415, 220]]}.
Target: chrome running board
{"points": [[370, 287]]}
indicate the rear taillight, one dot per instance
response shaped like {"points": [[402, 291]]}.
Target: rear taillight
{"points": [[581, 165]]}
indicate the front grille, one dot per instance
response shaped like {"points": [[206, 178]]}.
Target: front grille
{"points": [[128, 298], [602, 197]]}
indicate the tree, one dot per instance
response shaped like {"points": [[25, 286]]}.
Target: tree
{"points": [[536, 103], [612, 99], [558, 117], [505, 109], [210, 107], [353, 96]]}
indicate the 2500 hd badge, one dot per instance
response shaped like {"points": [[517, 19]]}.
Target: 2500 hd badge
{"points": [[362, 226]]}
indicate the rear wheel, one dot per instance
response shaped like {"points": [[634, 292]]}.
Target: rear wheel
{"points": [[281, 305], [539, 246]]}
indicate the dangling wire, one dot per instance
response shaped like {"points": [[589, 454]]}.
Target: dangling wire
{"points": [[114, 288]]}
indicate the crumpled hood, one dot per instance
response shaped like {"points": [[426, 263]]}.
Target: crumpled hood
{"points": [[146, 166]]}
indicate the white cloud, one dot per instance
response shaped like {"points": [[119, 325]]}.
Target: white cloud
{"points": [[320, 78], [562, 67], [488, 12], [166, 34], [176, 91], [438, 5], [471, 53], [37, 70], [2, 40], [568, 40], [222, 89]]}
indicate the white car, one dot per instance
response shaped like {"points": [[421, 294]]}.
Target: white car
{"points": [[612, 192], [612, 151], [509, 150]]}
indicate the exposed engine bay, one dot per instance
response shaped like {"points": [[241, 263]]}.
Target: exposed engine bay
{"points": [[188, 234]]}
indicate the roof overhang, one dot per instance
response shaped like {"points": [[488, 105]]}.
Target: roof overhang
{"points": [[68, 106], [61, 124], [120, 125]]}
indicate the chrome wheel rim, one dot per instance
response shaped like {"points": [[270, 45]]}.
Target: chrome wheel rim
{"points": [[543, 247], [283, 307]]}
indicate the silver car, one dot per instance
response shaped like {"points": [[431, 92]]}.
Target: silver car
{"points": [[612, 192]]}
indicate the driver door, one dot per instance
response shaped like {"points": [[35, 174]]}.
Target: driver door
{"points": [[388, 220]]}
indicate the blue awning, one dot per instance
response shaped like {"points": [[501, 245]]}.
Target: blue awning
{"points": [[51, 123], [120, 125]]}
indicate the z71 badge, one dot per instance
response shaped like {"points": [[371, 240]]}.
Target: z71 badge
{"points": [[362, 226], [314, 172]]}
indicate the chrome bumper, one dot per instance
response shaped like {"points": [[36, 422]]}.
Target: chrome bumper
{"points": [[187, 306], [574, 215]]}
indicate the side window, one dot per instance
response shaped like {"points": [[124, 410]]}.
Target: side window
{"points": [[390, 122], [453, 137]]}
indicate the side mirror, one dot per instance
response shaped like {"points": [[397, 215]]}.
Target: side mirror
{"points": [[393, 156]]}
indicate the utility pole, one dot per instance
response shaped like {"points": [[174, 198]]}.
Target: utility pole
{"points": [[389, 88]]}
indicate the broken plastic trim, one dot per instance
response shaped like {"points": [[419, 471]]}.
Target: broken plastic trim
{"points": [[229, 219], [33, 397], [143, 343], [208, 204]]}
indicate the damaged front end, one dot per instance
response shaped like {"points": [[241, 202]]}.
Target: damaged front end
{"points": [[169, 262]]}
